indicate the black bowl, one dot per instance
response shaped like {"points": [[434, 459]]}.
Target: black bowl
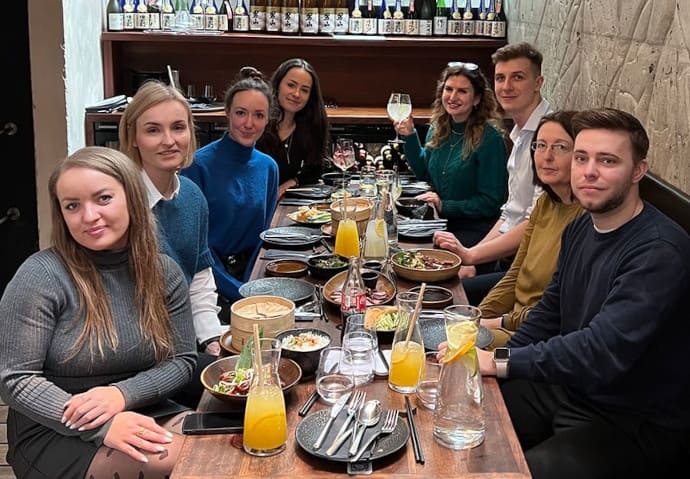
{"points": [[308, 361], [413, 208], [319, 272], [334, 176]]}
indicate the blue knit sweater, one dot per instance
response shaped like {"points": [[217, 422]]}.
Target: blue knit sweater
{"points": [[241, 188], [183, 228]]}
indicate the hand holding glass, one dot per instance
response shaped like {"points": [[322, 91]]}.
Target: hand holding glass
{"points": [[399, 107]]}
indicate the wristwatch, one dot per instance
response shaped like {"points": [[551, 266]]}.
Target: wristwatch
{"points": [[501, 360]]}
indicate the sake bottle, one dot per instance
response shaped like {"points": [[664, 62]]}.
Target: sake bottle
{"points": [[369, 23], [196, 11], [356, 20], [441, 19], [342, 17], [211, 16], [240, 18], [426, 18], [468, 20], [479, 21], [167, 15], [224, 16], [273, 16], [309, 17], [327, 16], [154, 11], [455, 19], [412, 20], [128, 15], [290, 17], [498, 28], [385, 24], [141, 16], [257, 16], [115, 16], [398, 22]]}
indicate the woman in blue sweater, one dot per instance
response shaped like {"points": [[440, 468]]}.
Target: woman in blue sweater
{"points": [[464, 155], [240, 184]]}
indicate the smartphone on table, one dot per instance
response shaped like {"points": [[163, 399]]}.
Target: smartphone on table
{"points": [[228, 422]]}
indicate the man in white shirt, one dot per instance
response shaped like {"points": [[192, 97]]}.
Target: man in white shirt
{"points": [[517, 83]]}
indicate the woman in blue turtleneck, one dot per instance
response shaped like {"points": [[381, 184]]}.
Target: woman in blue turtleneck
{"points": [[464, 156], [240, 184]]}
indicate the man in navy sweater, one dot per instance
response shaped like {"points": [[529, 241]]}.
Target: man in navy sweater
{"points": [[598, 384]]}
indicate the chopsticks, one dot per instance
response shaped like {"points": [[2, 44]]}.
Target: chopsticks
{"points": [[308, 403], [416, 445]]}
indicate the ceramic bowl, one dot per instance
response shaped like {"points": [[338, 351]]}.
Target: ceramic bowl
{"points": [[288, 268], [428, 275], [307, 360], [289, 371], [413, 208], [435, 297], [318, 271]]}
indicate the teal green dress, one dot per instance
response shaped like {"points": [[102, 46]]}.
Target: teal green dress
{"points": [[473, 189]]}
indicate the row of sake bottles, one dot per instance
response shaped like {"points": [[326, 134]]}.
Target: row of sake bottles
{"points": [[369, 17]]}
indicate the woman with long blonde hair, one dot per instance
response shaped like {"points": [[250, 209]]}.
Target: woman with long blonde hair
{"points": [[95, 327]]}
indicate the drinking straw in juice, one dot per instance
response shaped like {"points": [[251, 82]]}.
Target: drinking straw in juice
{"points": [[265, 424], [407, 363], [347, 239]]}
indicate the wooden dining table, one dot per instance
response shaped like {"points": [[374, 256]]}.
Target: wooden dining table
{"points": [[222, 456]]}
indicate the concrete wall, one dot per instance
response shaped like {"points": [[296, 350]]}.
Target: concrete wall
{"points": [[628, 54]]}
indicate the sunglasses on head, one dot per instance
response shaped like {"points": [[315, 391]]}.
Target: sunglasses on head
{"points": [[466, 66]]}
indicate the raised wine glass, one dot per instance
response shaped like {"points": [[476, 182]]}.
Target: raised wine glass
{"points": [[399, 107]]}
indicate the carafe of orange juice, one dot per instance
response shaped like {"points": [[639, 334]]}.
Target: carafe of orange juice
{"points": [[347, 236], [265, 424]]}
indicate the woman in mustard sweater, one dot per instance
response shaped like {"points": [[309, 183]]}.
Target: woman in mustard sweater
{"points": [[509, 302]]}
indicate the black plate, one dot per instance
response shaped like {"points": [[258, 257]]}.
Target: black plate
{"points": [[419, 234], [433, 328], [295, 290], [311, 426], [297, 230], [414, 189], [317, 192]]}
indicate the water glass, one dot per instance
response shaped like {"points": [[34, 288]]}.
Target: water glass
{"points": [[427, 389], [355, 322], [334, 375], [361, 345]]}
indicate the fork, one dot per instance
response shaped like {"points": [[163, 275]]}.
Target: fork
{"points": [[353, 406], [390, 421]]}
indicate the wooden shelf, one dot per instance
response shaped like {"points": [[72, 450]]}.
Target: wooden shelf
{"points": [[354, 70]]}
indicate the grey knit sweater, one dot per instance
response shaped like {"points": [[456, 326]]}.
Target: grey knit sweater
{"points": [[40, 321]]}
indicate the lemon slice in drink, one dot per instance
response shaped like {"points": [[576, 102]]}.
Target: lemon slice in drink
{"points": [[380, 227], [462, 338]]}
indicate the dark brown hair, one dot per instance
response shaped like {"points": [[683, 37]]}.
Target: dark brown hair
{"points": [[615, 120], [565, 119], [249, 78], [519, 50]]}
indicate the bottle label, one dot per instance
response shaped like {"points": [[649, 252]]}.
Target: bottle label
{"points": [[167, 21], [356, 302], [327, 20], [356, 26], [468, 28], [211, 22], [440, 26], [116, 22], [141, 21], [240, 23], [128, 21], [155, 21], [257, 18], [385, 26], [412, 27], [369, 26], [398, 26], [426, 27], [455, 27], [273, 19], [498, 29], [479, 28], [290, 22], [223, 23], [198, 19], [342, 20], [310, 20]]}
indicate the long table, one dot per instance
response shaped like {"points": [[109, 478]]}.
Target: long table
{"points": [[220, 456]]}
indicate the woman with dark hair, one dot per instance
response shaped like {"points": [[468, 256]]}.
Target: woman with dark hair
{"points": [[297, 136], [511, 299], [464, 156], [95, 329], [240, 184]]}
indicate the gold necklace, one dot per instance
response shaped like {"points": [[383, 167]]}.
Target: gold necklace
{"points": [[450, 150]]}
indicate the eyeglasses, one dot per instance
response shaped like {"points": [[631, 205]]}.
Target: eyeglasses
{"points": [[557, 149], [466, 66]]}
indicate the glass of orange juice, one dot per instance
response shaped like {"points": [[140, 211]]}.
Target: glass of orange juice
{"points": [[347, 236], [407, 355], [265, 423]]}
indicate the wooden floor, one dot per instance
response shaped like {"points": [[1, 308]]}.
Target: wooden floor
{"points": [[5, 470]]}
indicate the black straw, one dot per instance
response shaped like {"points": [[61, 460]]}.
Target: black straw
{"points": [[310, 402], [418, 454]]}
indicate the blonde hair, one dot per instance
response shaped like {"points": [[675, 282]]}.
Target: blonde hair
{"points": [[149, 95], [144, 260]]}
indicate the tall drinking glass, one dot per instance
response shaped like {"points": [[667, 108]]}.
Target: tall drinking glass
{"points": [[399, 107], [407, 355]]}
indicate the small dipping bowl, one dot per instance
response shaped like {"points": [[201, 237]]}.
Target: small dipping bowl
{"points": [[374, 264], [370, 278], [435, 297], [289, 268]]}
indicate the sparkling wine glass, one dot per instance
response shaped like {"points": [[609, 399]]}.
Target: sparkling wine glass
{"points": [[399, 107], [344, 156]]}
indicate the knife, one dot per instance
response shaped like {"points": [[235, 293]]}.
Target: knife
{"points": [[335, 410]]}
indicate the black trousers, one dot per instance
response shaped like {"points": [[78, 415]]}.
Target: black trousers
{"points": [[565, 437]]}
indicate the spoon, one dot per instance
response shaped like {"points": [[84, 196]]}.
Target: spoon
{"points": [[367, 416]]}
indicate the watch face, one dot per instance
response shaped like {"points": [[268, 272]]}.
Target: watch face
{"points": [[501, 354]]}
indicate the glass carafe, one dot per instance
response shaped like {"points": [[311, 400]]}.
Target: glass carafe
{"points": [[407, 355], [347, 236], [385, 182], [265, 424], [376, 235], [458, 415]]}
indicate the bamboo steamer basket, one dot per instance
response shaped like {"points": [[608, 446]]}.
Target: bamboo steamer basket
{"points": [[359, 209], [272, 313]]}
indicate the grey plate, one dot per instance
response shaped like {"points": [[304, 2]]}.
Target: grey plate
{"points": [[311, 426], [420, 233], [289, 288], [292, 230], [433, 329], [317, 192]]}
